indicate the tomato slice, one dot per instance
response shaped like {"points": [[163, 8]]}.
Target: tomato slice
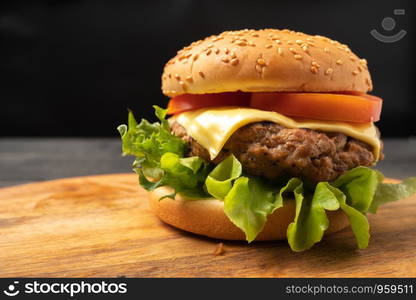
{"points": [[347, 107], [188, 102]]}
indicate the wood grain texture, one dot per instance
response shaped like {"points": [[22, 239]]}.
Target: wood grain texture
{"points": [[101, 226]]}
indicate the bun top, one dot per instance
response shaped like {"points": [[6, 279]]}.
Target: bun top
{"points": [[268, 60]]}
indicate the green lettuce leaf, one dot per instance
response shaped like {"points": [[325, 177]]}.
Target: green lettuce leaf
{"points": [[389, 192], [159, 157], [149, 141], [247, 200], [186, 175], [310, 220], [359, 185], [248, 203], [359, 223], [294, 186], [219, 181]]}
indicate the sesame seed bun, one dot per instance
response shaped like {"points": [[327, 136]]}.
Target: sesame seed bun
{"points": [[206, 217], [267, 60]]}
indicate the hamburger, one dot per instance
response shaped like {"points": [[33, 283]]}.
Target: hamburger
{"points": [[268, 135]]}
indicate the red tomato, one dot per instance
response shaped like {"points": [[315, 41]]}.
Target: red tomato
{"points": [[188, 102], [347, 107]]}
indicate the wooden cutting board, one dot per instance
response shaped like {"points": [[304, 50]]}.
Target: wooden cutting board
{"points": [[101, 226]]}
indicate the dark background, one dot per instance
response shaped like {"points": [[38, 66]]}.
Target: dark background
{"points": [[72, 68]]}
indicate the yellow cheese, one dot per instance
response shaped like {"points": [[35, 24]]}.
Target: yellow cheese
{"points": [[212, 127]]}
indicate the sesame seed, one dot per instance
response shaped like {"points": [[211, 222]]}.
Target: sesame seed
{"points": [[329, 71], [367, 81], [251, 44], [352, 58], [225, 59], [305, 48], [242, 43], [201, 74], [254, 35], [210, 45], [355, 72], [195, 57], [181, 83], [359, 68], [268, 46], [278, 42], [326, 49], [311, 44], [279, 51], [261, 62], [170, 75], [314, 70], [172, 91], [226, 51], [216, 50], [232, 54], [292, 50], [234, 61], [297, 56], [208, 52], [298, 42], [184, 61], [339, 62], [363, 61], [189, 79], [289, 42], [315, 64], [177, 77], [309, 39]]}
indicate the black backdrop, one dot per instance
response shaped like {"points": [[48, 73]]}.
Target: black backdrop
{"points": [[72, 68]]}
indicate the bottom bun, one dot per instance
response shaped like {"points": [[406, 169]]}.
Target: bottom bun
{"points": [[207, 217]]}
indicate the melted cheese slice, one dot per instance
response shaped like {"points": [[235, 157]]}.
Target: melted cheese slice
{"points": [[212, 127]]}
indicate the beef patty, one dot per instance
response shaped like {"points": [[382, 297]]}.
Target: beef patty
{"points": [[269, 150]]}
